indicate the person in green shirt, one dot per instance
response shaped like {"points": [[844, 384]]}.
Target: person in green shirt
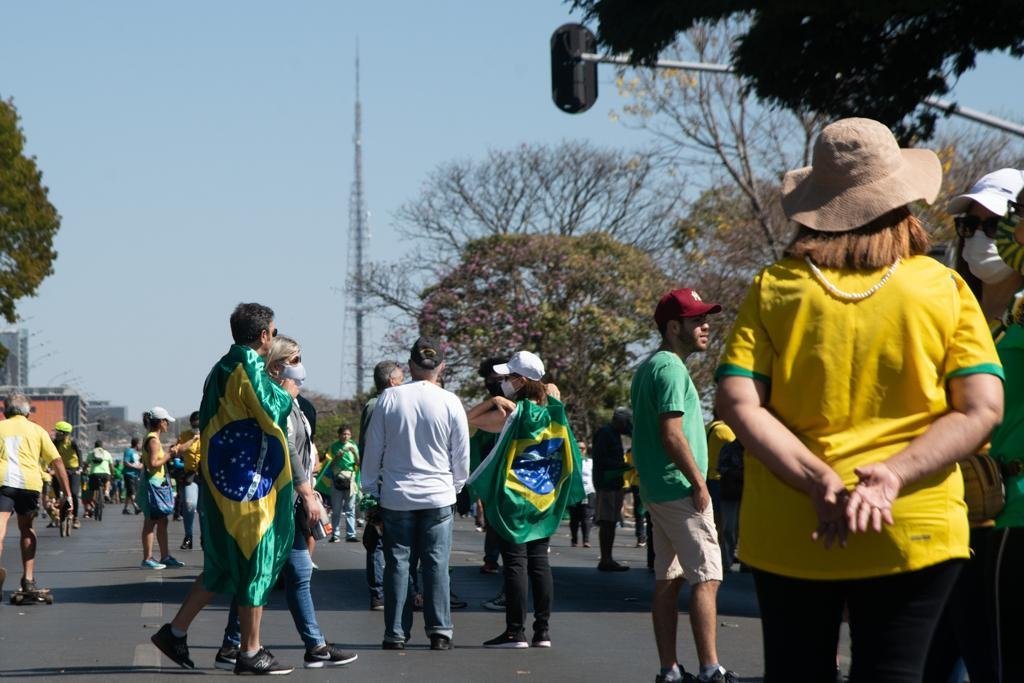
{"points": [[344, 466], [99, 464], [117, 490], [670, 452]]}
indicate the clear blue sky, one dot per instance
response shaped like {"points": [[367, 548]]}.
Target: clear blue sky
{"points": [[200, 155]]}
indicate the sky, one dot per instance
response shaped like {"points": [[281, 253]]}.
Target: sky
{"points": [[200, 154]]}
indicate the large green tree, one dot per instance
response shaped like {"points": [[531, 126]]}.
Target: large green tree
{"points": [[28, 221], [583, 303], [877, 58]]}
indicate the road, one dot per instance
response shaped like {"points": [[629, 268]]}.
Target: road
{"points": [[106, 609]]}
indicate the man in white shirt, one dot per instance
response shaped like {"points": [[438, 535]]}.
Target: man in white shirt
{"points": [[416, 461]]}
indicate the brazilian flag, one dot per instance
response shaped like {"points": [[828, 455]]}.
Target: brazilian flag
{"points": [[531, 475], [248, 519]]}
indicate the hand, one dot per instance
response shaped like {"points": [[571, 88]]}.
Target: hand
{"points": [[701, 497], [871, 502], [504, 405], [829, 497], [311, 505], [553, 391]]}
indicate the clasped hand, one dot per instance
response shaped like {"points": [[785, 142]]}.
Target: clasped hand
{"points": [[841, 511]]}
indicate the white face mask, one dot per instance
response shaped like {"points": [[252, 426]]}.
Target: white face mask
{"points": [[983, 259], [507, 388], [296, 373]]}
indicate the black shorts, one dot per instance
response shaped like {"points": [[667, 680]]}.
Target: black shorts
{"points": [[18, 501], [131, 484]]}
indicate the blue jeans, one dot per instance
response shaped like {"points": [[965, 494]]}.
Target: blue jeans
{"points": [[297, 571], [188, 509], [426, 534], [343, 502], [374, 544]]}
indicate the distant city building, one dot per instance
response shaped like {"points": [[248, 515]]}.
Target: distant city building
{"points": [[102, 410], [50, 405], [15, 368]]}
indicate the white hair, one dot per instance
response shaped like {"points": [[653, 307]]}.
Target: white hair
{"points": [[17, 403]]}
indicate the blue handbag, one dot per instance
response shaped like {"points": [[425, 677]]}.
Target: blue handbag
{"points": [[161, 497]]}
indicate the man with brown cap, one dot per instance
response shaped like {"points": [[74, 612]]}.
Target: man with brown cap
{"points": [[670, 454], [416, 462]]}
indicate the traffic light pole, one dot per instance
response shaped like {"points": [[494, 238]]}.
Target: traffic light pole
{"points": [[950, 108]]}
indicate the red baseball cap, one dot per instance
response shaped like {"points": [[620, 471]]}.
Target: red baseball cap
{"points": [[682, 303]]}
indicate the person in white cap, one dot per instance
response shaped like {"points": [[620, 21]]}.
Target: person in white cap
{"points": [[858, 372], [156, 478], [977, 214]]}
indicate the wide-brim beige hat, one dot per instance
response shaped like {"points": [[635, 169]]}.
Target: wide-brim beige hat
{"points": [[858, 173]]}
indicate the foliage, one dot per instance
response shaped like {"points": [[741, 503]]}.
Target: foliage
{"points": [[28, 221], [582, 303], [870, 58], [332, 413]]}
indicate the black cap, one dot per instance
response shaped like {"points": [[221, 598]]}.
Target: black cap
{"points": [[426, 353]]}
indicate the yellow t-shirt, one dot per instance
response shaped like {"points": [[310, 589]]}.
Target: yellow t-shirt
{"points": [[66, 448], [856, 382], [719, 435], [193, 454], [25, 449], [157, 476]]}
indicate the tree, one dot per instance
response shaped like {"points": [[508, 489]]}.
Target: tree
{"points": [[875, 58], [583, 303], [28, 221]]}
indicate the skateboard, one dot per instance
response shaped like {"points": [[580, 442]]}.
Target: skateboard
{"points": [[37, 597]]}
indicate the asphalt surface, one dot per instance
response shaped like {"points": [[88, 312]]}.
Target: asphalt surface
{"points": [[107, 607]]}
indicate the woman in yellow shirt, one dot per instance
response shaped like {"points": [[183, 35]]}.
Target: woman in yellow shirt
{"points": [[858, 372]]}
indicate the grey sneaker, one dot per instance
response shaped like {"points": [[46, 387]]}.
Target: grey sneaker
{"points": [[226, 657], [328, 655], [495, 604], [260, 664]]}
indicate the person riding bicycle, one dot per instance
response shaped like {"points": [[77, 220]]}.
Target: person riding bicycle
{"points": [[100, 463], [25, 449], [68, 450]]}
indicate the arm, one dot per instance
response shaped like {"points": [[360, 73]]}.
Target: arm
{"points": [[374, 454], [670, 427], [152, 449], [458, 448], [490, 415], [742, 404], [976, 407]]}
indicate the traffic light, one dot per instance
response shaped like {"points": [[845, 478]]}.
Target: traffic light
{"points": [[100, 425], [573, 81]]}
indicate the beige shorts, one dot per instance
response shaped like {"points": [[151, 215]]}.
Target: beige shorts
{"points": [[609, 505], [685, 542]]}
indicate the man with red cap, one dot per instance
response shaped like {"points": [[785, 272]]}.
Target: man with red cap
{"points": [[670, 452]]}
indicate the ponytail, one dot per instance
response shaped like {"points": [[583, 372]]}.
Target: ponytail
{"points": [[147, 419]]}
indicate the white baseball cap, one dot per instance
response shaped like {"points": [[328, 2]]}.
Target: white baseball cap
{"points": [[159, 413], [991, 191], [524, 363]]}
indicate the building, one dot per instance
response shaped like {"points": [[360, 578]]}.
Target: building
{"points": [[50, 405], [102, 410], [14, 371]]}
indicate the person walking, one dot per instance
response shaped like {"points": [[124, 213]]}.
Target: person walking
{"points": [[609, 469], [580, 514], [858, 372], [417, 460], [188, 486], [670, 453]]}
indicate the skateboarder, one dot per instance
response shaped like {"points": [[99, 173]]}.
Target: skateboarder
{"points": [[25, 449]]}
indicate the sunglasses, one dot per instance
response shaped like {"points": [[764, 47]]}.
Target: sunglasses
{"points": [[966, 226]]}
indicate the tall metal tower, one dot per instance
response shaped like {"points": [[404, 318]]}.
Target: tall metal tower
{"points": [[358, 239]]}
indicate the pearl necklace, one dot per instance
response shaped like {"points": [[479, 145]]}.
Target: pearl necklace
{"points": [[850, 296]]}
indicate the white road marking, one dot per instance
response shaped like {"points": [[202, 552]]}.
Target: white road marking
{"points": [[146, 655], [152, 609], [154, 579]]}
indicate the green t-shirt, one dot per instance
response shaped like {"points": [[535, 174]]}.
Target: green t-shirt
{"points": [[1008, 439], [344, 456], [663, 385], [99, 462]]}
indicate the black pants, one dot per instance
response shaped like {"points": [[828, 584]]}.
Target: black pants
{"points": [[892, 619], [522, 560], [580, 517], [75, 482]]}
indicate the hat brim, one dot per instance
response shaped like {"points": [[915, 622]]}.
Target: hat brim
{"points": [[703, 309], [994, 202], [809, 201], [501, 369]]}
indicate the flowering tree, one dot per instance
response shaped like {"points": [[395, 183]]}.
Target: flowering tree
{"points": [[583, 303]]}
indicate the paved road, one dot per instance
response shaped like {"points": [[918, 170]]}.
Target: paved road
{"points": [[107, 608]]}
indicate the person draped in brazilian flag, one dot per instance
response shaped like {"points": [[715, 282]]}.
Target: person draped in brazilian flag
{"points": [[526, 483], [247, 495]]}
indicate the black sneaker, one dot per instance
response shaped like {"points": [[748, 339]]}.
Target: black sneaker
{"points": [[28, 585], [611, 566], [376, 605], [176, 649], [440, 642], [226, 657], [391, 645], [723, 675], [187, 543], [508, 641], [260, 664], [328, 655], [687, 677], [541, 639]]}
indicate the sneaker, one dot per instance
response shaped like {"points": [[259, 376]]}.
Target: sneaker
{"points": [[456, 603], [508, 641], [490, 568], [328, 655], [686, 677], [440, 642], [723, 675], [495, 604], [226, 657], [541, 639], [176, 649], [611, 566], [187, 543], [376, 605], [641, 543], [351, 539], [172, 563], [28, 585], [138, 510], [76, 524], [124, 511], [315, 566], [260, 664], [586, 544], [152, 564], [334, 539], [390, 645]]}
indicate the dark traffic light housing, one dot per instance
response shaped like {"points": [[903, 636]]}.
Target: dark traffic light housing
{"points": [[573, 81]]}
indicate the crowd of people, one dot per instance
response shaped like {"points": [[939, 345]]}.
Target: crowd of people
{"points": [[858, 373]]}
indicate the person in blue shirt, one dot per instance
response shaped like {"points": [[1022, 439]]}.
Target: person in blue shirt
{"points": [[132, 467]]}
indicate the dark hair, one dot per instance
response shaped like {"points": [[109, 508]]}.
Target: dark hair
{"points": [[150, 422], [248, 321], [896, 234], [382, 374], [135, 442], [343, 428], [487, 366], [98, 444], [194, 415], [533, 390]]}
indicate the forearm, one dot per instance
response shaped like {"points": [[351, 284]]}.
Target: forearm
{"points": [[678, 450], [61, 473]]}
